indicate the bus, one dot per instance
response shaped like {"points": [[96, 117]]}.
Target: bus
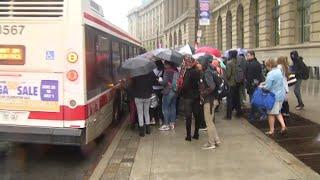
{"points": [[59, 64]]}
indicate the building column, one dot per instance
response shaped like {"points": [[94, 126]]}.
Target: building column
{"points": [[288, 21], [246, 24], [315, 23], [264, 24]]}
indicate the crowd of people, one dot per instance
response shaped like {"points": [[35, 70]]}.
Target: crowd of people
{"points": [[200, 83]]}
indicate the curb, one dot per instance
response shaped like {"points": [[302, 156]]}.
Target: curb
{"points": [[298, 167], [100, 168]]}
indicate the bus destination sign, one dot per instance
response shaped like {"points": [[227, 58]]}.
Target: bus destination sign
{"points": [[12, 55]]}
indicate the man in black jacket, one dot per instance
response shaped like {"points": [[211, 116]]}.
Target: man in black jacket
{"points": [[254, 77], [298, 70]]}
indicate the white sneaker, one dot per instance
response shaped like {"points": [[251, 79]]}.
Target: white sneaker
{"points": [[172, 126], [203, 129], [152, 122], [164, 128], [217, 142], [208, 146]]}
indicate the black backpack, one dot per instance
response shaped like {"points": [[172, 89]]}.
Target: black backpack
{"points": [[305, 71], [222, 87]]}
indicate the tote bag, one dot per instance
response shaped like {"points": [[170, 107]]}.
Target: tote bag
{"points": [[263, 99]]}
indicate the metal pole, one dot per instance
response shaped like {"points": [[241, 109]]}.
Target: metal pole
{"points": [[196, 21]]}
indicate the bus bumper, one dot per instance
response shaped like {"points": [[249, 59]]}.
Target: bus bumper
{"points": [[42, 135]]}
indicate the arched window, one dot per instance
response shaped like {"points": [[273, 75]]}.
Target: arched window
{"points": [[229, 30], [180, 37], [254, 23], [240, 31], [304, 12], [276, 22], [219, 33]]}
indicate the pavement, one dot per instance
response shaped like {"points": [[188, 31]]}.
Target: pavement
{"points": [[245, 153]]}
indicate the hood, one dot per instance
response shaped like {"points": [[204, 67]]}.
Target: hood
{"points": [[294, 55]]}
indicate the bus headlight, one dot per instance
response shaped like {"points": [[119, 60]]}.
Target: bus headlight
{"points": [[72, 75], [72, 57]]}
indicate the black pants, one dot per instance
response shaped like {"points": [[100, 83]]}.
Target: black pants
{"points": [[285, 107], [156, 113], [233, 101], [202, 123], [192, 106]]}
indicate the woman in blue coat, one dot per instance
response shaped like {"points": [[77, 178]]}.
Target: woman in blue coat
{"points": [[274, 83]]}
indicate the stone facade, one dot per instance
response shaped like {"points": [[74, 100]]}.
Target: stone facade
{"points": [[254, 22], [164, 23]]}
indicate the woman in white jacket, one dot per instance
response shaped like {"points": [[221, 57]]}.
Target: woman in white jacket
{"points": [[283, 65]]}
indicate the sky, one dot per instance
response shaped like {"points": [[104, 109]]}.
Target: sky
{"points": [[116, 11]]}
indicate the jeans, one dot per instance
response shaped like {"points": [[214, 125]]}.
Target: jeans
{"points": [[297, 92], [212, 131], [169, 107], [192, 106], [156, 113], [143, 106], [202, 123], [233, 101]]}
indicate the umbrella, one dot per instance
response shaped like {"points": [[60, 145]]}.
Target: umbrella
{"points": [[137, 66], [187, 49], [171, 56], [150, 54], [209, 50]]}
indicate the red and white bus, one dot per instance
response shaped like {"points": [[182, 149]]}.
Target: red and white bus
{"points": [[59, 63]]}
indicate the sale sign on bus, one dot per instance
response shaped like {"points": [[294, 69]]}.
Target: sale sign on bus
{"points": [[204, 12], [34, 95]]}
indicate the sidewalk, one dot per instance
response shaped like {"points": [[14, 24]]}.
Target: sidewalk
{"points": [[245, 154], [166, 155]]}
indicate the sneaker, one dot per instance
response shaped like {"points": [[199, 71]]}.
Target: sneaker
{"points": [[217, 142], [164, 128], [203, 129], [300, 107], [208, 146], [172, 126], [152, 122]]}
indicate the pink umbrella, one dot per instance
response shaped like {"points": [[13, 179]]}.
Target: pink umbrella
{"points": [[209, 50]]}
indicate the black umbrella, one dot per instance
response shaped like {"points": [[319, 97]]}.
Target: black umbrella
{"points": [[137, 66], [171, 56]]}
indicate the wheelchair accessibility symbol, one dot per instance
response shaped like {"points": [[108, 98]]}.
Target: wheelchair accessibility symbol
{"points": [[50, 55]]}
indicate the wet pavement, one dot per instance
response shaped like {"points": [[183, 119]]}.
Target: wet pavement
{"points": [[50, 162]]}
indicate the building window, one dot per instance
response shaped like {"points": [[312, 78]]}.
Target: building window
{"points": [[240, 31], [174, 39], [180, 37], [276, 22], [229, 30], [254, 23], [170, 40], [219, 33], [304, 11]]}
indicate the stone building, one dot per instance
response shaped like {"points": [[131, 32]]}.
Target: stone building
{"points": [[270, 27], [164, 23]]}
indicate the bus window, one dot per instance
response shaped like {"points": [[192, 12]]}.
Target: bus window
{"points": [[116, 61], [98, 63]]}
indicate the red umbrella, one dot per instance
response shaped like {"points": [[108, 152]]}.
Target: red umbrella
{"points": [[209, 50]]}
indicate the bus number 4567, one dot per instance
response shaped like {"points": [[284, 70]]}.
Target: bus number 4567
{"points": [[11, 29]]}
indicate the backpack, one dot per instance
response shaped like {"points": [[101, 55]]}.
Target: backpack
{"points": [[239, 76], [305, 72], [176, 82], [222, 87]]}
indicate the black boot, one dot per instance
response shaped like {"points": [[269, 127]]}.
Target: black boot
{"points": [[148, 130], [196, 136], [141, 131]]}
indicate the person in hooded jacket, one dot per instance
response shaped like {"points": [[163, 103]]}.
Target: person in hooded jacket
{"points": [[208, 91], [298, 70], [191, 95], [233, 98]]}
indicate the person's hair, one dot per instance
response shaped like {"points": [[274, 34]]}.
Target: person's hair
{"points": [[252, 53], [283, 61], [271, 63]]}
